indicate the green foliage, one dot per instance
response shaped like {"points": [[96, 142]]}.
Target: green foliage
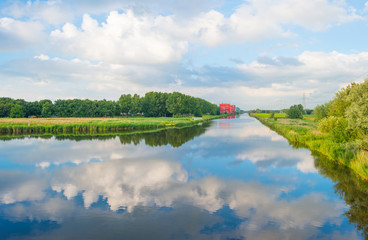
{"points": [[296, 112], [304, 133], [153, 104], [321, 111], [198, 113], [16, 111], [357, 110], [308, 111], [341, 102], [337, 127], [348, 113], [125, 103], [47, 109]]}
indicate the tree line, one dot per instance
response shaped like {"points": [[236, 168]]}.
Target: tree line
{"points": [[152, 104], [294, 112], [346, 115]]}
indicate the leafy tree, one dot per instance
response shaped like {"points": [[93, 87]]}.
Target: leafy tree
{"points": [[357, 107], [337, 127], [174, 103], [136, 104], [47, 109], [198, 113], [308, 111], [341, 101], [125, 101], [296, 111], [17, 111], [321, 111]]}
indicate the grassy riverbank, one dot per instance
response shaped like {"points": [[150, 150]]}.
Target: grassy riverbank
{"points": [[93, 125], [305, 132]]}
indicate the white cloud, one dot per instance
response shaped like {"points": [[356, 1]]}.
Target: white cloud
{"points": [[165, 183], [301, 158], [51, 12], [18, 187], [145, 38], [16, 35], [42, 57], [264, 19], [124, 185], [124, 38], [313, 14], [313, 66]]}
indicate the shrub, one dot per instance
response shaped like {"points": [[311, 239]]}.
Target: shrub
{"points": [[320, 111], [337, 127]]}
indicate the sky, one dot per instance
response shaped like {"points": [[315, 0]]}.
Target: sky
{"points": [[253, 53]]}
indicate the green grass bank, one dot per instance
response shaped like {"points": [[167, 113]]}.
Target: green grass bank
{"points": [[21, 126], [305, 132]]}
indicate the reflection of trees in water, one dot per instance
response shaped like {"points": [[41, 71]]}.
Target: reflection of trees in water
{"points": [[351, 189], [175, 137]]}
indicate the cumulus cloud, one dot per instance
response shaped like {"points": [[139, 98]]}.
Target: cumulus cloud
{"points": [[146, 38], [164, 183], [51, 12], [136, 51], [268, 82], [308, 65], [18, 187], [54, 209], [265, 157], [17, 35], [124, 38]]}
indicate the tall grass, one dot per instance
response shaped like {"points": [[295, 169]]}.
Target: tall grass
{"points": [[92, 125]]}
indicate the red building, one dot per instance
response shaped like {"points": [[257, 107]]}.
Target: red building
{"points": [[227, 108]]}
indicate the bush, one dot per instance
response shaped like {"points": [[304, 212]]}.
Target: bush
{"points": [[320, 111], [337, 127]]}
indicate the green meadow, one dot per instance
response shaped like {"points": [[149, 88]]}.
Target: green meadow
{"points": [[16, 126]]}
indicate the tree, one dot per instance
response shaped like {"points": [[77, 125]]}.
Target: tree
{"points": [[357, 107], [174, 103], [198, 113], [341, 101], [125, 101], [296, 111], [47, 109], [136, 104], [17, 111], [321, 111]]}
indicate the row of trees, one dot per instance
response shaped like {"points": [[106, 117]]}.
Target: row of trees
{"points": [[346, 116], [153, 104], [295, 111]]}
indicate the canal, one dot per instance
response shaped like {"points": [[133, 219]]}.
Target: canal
{"points": [[227, 179]]}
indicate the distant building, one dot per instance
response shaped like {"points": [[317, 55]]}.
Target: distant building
{"points": [[227, 108]]}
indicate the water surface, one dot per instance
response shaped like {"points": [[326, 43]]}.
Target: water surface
{"points": [[230, 179]]}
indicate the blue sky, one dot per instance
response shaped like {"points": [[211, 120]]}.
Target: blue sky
{"points": [[254, 53]]}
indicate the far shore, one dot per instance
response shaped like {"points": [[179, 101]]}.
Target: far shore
{"points": [[93, 125]]}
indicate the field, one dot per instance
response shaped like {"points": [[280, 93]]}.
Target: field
{"points": [[282, 115], [92, 125], [305, 133]]}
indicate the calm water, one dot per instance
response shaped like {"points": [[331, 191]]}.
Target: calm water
{"points": [[230, 179]]}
